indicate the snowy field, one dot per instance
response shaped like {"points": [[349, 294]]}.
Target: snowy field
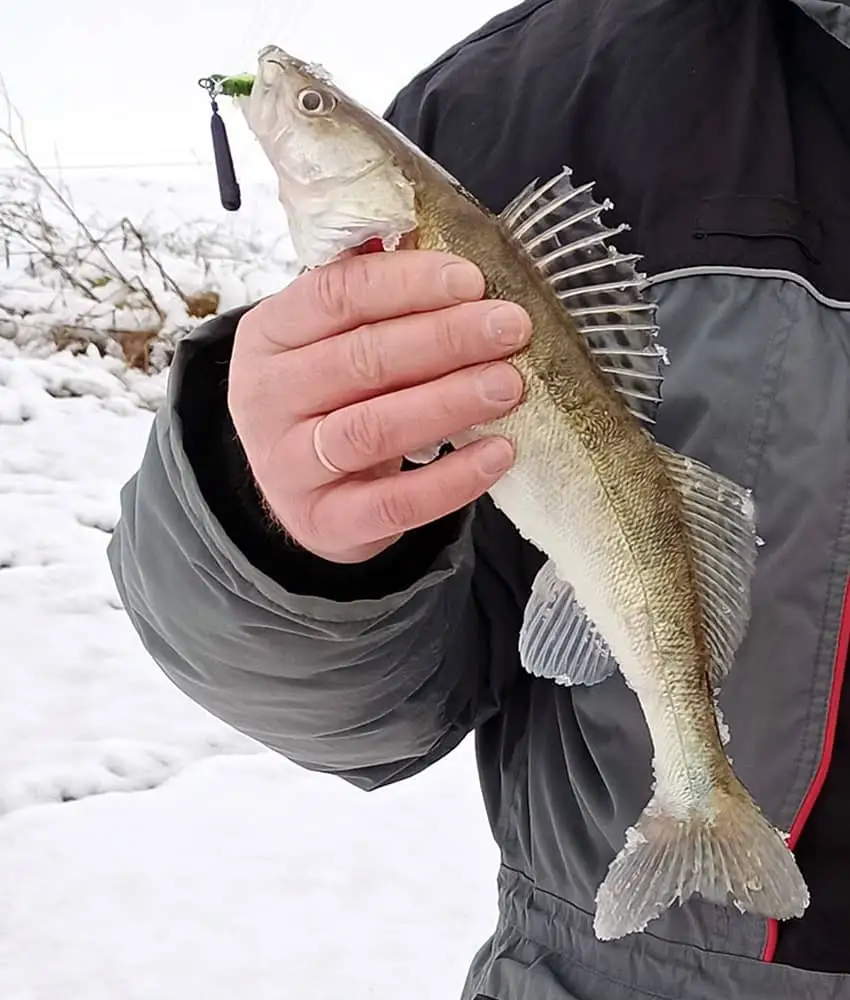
{"points": [[147, 852]]}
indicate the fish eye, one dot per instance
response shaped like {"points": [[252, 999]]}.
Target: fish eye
{"points": [[315, 102]]}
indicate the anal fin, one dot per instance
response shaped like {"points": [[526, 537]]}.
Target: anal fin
{"points": [[557, 639]]}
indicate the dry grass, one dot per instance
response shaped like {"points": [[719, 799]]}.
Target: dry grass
{"points": [[203, 304], [84, 265]]}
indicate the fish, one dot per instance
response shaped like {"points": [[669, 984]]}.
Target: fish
{"points": [[649, 553]]}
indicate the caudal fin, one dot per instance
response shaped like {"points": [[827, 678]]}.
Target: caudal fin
{"points": [[726, 852]]}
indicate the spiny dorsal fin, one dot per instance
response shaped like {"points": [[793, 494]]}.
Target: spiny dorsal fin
{"points": [[559, 227], [721, 520]]}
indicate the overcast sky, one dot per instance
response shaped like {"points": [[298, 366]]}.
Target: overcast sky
{"points": [[114, 81]]}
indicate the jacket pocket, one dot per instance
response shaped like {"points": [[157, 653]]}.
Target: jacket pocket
{"points": [[759, 217]]}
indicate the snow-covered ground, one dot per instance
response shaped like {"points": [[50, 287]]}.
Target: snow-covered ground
{"points": [[146, 850]]}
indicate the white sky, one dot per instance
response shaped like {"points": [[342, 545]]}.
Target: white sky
{"points": [[104, 82]]}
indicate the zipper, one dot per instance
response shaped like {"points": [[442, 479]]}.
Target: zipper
{"points": [[816, 787]]}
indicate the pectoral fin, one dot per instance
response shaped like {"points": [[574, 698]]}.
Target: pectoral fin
{"points": [[557, 640]]}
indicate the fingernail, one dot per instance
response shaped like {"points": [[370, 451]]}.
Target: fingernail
{"points": [[495, 456], [507, 325], [462, 280], [500, 383]]}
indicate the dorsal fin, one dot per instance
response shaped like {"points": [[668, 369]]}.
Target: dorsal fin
{"points": [[559, 227]]}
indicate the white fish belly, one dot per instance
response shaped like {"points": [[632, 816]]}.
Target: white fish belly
{"points": [[557, 500]]}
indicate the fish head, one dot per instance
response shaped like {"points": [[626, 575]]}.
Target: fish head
{"points": [[343, 173]]}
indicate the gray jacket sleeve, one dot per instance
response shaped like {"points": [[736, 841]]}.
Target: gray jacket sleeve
{"points": [[371, 689], [371, 672]]}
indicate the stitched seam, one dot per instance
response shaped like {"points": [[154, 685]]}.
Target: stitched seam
{"points": [[761, 274], [507, 823], [524, 932], [771, 373], [835, 572], [598, 973]]}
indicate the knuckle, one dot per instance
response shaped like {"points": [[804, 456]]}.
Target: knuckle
{"points": [[446, 413], [334, 287], [393, 510], [254, 398], [450, 333], [364, 433], [252, 320], [454, 402], [262, 318], [412, 274], [305, 522], [266, 325], [366, 358]]}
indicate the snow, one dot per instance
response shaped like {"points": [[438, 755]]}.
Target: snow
{"points": [[147, 850], [245, 877], [82, 710]]}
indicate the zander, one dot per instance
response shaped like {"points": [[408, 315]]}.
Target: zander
{"points": [[650, 553]]}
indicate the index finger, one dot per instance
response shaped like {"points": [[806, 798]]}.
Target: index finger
{"points": [[366, 288]]}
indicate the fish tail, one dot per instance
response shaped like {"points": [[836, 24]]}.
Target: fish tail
{"points": [[725, 848]]}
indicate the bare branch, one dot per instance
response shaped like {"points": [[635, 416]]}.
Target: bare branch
{"points": [[52, 258], [145, 251], [19, 148], [89, 278]]}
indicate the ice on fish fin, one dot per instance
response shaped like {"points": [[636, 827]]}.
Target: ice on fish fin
{"points": [[722, 727], [557, 640], [422, 456], [720, 518], [558, 225], [725, 851]]}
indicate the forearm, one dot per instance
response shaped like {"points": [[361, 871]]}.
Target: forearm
{"points": [[370, 672]]}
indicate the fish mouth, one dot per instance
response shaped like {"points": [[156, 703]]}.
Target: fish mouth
{"points": [[372, 245], [276, 62]]}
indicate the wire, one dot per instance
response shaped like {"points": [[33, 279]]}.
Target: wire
{"points": [[115, 166]]}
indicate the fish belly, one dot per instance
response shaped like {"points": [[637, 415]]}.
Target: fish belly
{"points": [[558, 499]]}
